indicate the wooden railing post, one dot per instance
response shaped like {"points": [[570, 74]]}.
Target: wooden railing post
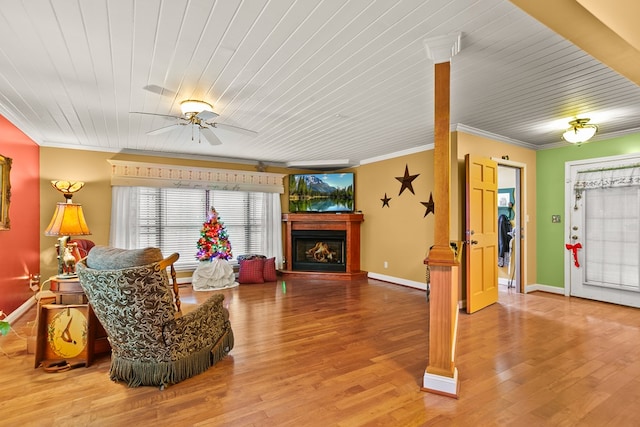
{"points": [[441, 374]]}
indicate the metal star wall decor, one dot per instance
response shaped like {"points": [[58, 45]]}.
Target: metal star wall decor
{"points": [[406, 180], [431, 207], [385, 201]]}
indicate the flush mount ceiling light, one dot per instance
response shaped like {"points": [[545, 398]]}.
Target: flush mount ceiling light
{"points": [[579, 131]]}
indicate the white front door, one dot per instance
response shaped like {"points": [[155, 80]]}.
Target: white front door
{"points": [[604, 233]]}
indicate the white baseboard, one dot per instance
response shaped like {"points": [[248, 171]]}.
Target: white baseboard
{"points": [[18, 312], [398, 281], [462, 304], [544, 288], [438, 384]]}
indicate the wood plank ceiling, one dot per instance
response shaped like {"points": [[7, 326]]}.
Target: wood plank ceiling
{"points": [[324, 81]]}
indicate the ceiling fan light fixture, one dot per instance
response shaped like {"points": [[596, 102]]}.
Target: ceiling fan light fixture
{"points": [[191, 107], [579, 131]]}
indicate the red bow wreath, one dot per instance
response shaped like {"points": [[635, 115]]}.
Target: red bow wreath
{"points": [[574, 249]]}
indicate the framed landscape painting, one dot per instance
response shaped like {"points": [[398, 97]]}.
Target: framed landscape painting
{"points": [[5, 189]]}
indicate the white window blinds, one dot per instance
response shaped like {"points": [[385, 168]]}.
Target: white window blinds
{"points": [[171, 219], [612, 219], [611, 225]]}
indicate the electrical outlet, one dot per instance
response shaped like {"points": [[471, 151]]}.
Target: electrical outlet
{"points": [[386, 264]]}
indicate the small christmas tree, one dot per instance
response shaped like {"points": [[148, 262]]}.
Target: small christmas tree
{"points": [[214, 240]]}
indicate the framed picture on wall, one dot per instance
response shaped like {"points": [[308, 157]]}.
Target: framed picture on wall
{"points": [[5, 189], [503, 200], [506, 200]]}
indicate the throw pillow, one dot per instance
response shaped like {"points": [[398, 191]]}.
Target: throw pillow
{"points": [[269, 271], [251, 271]]}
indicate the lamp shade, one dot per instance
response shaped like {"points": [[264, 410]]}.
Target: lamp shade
{"points": [[193, 107], [579, 131], [68, 188], [68, 220]]}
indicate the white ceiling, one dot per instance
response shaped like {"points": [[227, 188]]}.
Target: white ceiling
{"points": [[318, 80]]}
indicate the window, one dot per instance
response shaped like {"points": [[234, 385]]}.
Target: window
{"points": [[171, 219], [612, 237], [605, 217]]}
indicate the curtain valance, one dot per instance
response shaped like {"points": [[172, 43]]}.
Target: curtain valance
{"points": [[141, 174], [623, 176]]}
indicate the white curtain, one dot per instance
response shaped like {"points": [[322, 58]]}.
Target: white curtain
{"points": [[272, 230], [611, 219], [124, 217], [623, 176], [124, 222]]}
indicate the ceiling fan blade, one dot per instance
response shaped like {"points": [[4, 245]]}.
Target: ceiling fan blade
{"points": [[205, 115], [235, 129], [164, 129], [155, 114], [210, 136], [159, 90]]}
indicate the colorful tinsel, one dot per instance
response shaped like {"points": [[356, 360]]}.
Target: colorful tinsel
{"points": [[214, 240]]}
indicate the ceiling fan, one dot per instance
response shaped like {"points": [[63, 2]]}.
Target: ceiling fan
{"points": [[197, 114]]}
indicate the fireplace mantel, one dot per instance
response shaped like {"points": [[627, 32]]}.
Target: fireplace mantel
{"points": [[348, 222]]}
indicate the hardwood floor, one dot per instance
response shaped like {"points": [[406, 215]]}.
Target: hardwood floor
{"points": [[316, 353]]}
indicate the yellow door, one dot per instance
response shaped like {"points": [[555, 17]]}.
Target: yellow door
{"points": [[481, 232]]}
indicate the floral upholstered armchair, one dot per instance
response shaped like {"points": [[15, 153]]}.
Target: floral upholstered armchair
{"points": [[152, 343]]}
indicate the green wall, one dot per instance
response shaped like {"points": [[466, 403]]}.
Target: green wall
{"points": [[550, 198]]}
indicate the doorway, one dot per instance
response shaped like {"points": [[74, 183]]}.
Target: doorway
{"points": [[482, 182], [602, 236], [509, 221]]}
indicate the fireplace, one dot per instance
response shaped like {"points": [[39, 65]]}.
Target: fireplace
{"points": [[323, 246], [318, 250]]}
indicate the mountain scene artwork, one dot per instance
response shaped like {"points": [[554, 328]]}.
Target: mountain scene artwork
{"points": [[323, 192]]}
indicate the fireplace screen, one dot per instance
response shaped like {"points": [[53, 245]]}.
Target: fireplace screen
{"points": [[319, 251]]}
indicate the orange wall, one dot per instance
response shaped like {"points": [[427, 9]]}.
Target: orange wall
{"points": [[19, 246]]}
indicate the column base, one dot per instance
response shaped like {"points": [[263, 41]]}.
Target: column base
{"points": [[438, 384]]}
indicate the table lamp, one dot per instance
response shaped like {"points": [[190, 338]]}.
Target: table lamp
{"points": [[68, 220]]}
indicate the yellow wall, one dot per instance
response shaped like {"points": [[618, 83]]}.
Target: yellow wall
{"points": [[399, 234], [93, 168]]}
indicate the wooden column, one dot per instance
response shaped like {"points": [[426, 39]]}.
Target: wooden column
{"points": [[441, 374], [441, 252]]}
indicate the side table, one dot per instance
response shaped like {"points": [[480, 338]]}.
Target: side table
{"points": [[69, 292]]}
